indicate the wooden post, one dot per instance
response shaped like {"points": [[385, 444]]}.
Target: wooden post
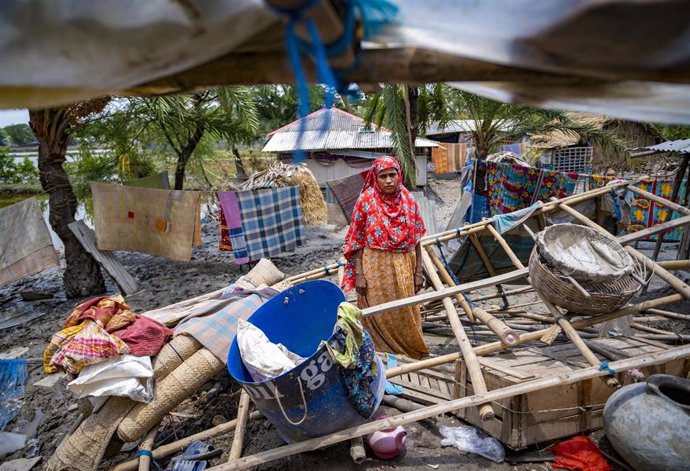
{"points": [[437, 409], [238, 436], [486, 411], [487, 264], [680, 174], [357, 452]]}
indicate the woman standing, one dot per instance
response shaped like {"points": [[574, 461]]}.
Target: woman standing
{"points": [[384, 259]]}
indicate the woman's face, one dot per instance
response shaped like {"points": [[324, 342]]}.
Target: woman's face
{"points": [[387, 180]]}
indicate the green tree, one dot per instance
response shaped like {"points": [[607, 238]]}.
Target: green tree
{"points": [[19, 134], [674, 132], [51, 126], [407, 111], [493, 122], [227, 114]]}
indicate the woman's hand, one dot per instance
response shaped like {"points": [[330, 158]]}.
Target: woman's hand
{"points": [[419, 280], [361, 284]]}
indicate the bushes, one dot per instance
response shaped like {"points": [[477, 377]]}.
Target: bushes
{"points": [[16, 173]]}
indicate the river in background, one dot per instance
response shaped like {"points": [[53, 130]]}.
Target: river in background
{"points": [[82, 212]]}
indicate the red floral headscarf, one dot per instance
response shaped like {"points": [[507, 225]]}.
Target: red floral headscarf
{"points": [[382, 221]]}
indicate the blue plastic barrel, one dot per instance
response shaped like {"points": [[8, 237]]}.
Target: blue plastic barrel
{"points": [[311, 399]]}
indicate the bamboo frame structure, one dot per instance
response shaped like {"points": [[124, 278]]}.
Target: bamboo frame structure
{"points": [[522, 328]]}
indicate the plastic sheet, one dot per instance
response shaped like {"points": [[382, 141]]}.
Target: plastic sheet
{"points": [[468, 439], [13, 376]]}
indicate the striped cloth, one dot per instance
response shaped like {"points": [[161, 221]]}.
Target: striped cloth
{"points": [[25, 243], [153, 221], [214, 323]]}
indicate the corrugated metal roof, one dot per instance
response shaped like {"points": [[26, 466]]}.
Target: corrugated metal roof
{"points": [[681, 146], [345, 131]]}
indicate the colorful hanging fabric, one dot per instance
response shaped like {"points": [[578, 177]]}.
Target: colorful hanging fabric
{"points": [[512, 187], [224, 244], [230, 211], [646, 213]]}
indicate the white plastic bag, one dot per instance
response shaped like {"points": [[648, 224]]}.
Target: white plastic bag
{"points": [[466, 438], [127, 376], [263, 358]]}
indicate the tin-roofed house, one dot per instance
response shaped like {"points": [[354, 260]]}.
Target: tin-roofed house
{"points": [[338, 144]]}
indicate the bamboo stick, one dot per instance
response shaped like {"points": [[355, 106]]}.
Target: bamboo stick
{"points": [[546, 208], [238, 436], [672, 315], [147, 444], [357, 452], [445, 276], [180, 445], [525, 289], [431, 296], [437, 409], [486, 411], [675, 264], [564, 324], [532, 336], [487, 264]]}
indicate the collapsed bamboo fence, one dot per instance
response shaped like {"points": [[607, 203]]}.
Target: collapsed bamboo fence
{"points": [[533, 327]]}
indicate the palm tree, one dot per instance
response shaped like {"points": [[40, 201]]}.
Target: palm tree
{"points": [[228, 113], [494, 122], [407, 111]]}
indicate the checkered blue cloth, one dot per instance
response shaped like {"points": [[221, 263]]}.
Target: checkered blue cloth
{"points": [[271, 221]]}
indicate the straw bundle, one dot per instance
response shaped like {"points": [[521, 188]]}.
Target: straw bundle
{"points": [[170, 392], [280, 175]]}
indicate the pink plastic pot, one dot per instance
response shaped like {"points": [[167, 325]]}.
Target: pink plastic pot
{"points": [[388, 442]]}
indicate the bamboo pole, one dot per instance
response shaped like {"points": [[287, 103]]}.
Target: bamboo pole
{"points": [[357, 452], [146, 445], [181, 445], [525, 289], [445, 276], [672, 315], [486, 411], [532, 336], [675, 264], [564, 324], [238, 436], [546, 208], [487, 264], [646, 360]]}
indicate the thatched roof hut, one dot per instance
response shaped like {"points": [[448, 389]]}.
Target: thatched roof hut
{"points": [[634, 133]]}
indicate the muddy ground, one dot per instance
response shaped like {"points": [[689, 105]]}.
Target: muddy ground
{"points": [[165, 282]]}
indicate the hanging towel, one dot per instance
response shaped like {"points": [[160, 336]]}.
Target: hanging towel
{"points": [[230, 210], [153, 221], [271, 221], [25, 243]]}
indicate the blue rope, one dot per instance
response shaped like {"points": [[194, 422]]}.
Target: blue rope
{"points": [[148, 453], [604, 366]]}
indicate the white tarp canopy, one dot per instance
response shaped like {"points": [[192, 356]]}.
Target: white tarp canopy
{"points": [[629, 59]]}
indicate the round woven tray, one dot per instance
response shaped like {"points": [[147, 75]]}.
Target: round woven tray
{"points": [[605, 296]]}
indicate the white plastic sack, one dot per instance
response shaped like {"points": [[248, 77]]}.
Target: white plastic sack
{"points": [[466, 438], [126, 375], [263, 358]]}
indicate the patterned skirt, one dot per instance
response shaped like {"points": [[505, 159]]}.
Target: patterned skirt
{"points": [[390, 276]]}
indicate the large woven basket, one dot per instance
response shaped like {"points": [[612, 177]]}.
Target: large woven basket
{"points": [[606, 296]]}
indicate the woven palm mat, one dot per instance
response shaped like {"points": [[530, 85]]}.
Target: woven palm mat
{"points": [[84, 449]]}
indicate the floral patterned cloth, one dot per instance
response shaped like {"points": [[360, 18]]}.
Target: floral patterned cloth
{"points": [[646, 213], [379, 221], [512, 187]]}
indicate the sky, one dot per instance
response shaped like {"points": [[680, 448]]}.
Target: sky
{"points": [[8, 117]]}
